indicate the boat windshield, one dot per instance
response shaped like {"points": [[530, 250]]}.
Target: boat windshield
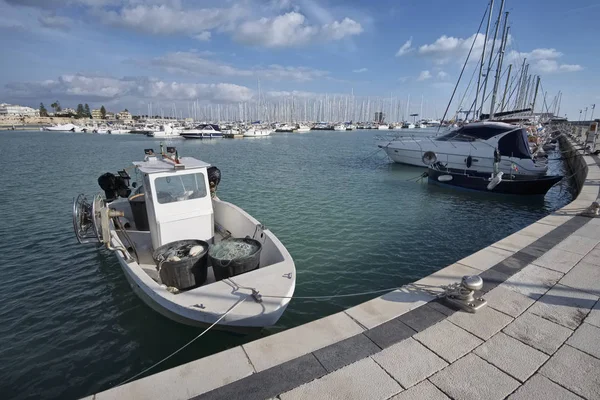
{"points": [[171, 189], [472, 133], [514, 144]]}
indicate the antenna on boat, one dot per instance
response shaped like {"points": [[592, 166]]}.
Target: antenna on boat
{"points": [[171, 155]]}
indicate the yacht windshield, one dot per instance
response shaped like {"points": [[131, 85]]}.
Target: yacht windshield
{"points": [[514, 144], [472, 133], [171, 189]]}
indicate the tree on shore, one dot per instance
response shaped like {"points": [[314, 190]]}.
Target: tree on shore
{"points": [[103, 112], [43, 111], [56, 106], [88, 113], [80, 111]]}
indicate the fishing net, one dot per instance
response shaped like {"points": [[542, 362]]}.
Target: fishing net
{"points": [[233, 250]]}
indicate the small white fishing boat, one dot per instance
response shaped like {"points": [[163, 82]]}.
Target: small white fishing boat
{"points": [[257, 132], [284, 128], [302, 128], [383, 127], [171, 235], [63, 128], [339, 127], [165, 131]]}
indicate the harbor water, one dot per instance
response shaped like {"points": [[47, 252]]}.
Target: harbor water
{"points": [[352, 221]]}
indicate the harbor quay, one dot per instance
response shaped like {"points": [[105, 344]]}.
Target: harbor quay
{"points": [[536, 338]]}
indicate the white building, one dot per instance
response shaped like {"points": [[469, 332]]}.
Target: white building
{"points": [[11, 109], [124, 116]]}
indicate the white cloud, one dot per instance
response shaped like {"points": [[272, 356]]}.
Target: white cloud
{"points": [[358, 71], [424, 75], [196, 64], [446, 48], [405, 48], [203, 36], [54, 21], [570, 67], [543, 60], [166, 20], [339, 30], [442, 75], [292, 29], [98, 88]]}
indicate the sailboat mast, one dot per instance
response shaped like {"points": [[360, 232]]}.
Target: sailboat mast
{"points": [[537, 85], [499, 67], [506, 87], [483, 53], [491, 57]]}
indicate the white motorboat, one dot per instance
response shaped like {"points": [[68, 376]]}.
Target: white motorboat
{"points": [[340, 127], [284, 128], [350, 127], [171, 235], [165, 131], [408, 125], [469, 147], [302, 128], [383, 127], [257, 132], [203, 131], [63, 128], [118, 131]]}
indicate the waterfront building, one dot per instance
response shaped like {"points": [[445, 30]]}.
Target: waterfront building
{"points": [[16, 110], [124, 116], [96, 114]]}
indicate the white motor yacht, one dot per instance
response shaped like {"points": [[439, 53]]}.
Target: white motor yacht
{"points": [[470, 147], [203, 131], [350, 127], [284, 128], [257, 132], [340, 127], [187, 254], [383, 127], [302, 128]]}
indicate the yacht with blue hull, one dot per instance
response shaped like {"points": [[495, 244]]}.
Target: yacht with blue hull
{"points": [[469, 146], [204, 131], [186, 253]]}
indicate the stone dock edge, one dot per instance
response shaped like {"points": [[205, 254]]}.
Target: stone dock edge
{"points": [[276, 364]]}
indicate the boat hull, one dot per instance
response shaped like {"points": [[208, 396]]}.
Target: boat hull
{"points": [[516, 185], [212, 135]]}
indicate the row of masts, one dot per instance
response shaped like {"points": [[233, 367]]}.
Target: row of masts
{"points": [[326, 108]]}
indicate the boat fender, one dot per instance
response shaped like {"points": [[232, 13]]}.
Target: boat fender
{"points": [[495, 181], [469, 161], [445, 178]]}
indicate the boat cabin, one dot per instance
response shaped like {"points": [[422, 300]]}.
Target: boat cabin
{"points": [[174, 202]]}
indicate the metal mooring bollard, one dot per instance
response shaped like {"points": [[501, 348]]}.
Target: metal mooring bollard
{"points": [[462, 294]]}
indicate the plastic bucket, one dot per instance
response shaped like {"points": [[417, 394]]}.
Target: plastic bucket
{"points": [[187, 273], [234, 257]]}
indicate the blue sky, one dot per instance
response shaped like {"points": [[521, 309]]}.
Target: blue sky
{"points": [[127, 53]]}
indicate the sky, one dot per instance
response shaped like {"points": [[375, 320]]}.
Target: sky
{"points": [[129, 53]]}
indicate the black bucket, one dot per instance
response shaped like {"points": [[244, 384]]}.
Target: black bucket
{"points": [[190, 271], [224, 266]]}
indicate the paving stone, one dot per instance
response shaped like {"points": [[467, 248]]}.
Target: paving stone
{"points": [[362, 380], [541, 246], [512, 265], [555, 219], [590, 231], [484, 324], [423, 391], [421, 318], [574, 370], [409, 362], [538, 332], [593, 257], [287, 345], [389, 333], [215, 371], [448, 340], [559, 260], [536, 230], [585, 277], [511, 356], [269, 383], [389, 306], [486, 258], [578, 244], [473, 378], [442, 306], [587, 339], [564, 305], [508, 301], [492, 277], [346, 352], [533, 281], [515, 242], [593, 317], [541, 388]]}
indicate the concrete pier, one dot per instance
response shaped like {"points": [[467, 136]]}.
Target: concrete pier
{"points": [[538, 337]]}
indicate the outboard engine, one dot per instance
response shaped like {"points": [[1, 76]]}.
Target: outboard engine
{"points": [[114, 186]]}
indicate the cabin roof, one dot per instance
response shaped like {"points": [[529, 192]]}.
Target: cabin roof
{"points": [[154, 164]]}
